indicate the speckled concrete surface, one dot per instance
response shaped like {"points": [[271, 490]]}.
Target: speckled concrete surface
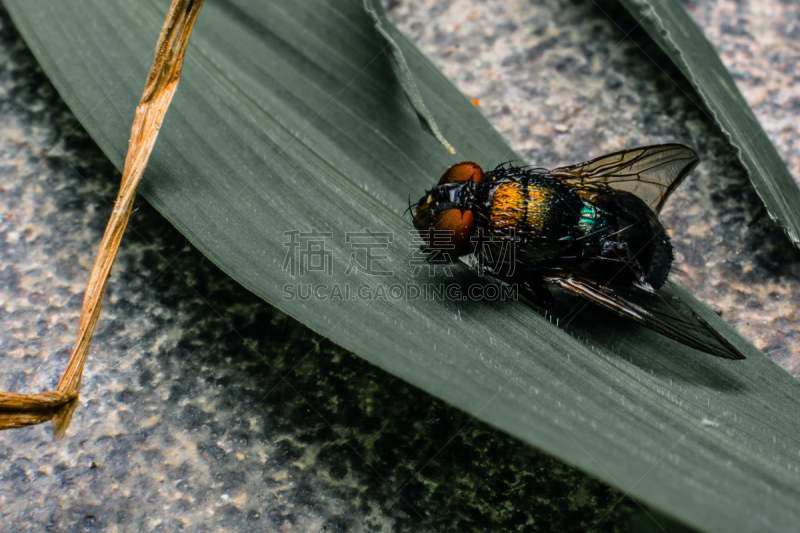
{"points": [[759, 43], [205, 409]]}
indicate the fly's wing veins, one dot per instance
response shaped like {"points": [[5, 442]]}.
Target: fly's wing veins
{"points": [[655, 309], [649, 172]]}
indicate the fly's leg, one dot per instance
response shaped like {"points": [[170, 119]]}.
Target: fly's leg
{"points": [[539, 293], [630, 266], [533, 287]]}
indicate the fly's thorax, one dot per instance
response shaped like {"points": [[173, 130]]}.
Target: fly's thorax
{"points": [[538, 213]]}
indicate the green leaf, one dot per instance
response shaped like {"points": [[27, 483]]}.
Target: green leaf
{"points": [[289, 117], [402, 71], [677, 34]]}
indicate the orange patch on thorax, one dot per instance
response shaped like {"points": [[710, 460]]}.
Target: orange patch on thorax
{"points": [[515, 204]]}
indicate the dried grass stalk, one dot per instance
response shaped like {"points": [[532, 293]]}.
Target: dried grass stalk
{"points": [[17, 410]]}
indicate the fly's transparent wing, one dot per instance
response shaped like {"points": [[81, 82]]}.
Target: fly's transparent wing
{"points": [[649, 172], [658, 310]]}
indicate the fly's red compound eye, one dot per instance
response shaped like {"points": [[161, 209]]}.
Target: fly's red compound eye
{"points": [[450, 231], [460, 172]]}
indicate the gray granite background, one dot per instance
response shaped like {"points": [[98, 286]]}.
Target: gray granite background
{"points": [[184, 424]]}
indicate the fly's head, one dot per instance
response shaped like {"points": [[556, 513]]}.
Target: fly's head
{"points": [[444, 216]]}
